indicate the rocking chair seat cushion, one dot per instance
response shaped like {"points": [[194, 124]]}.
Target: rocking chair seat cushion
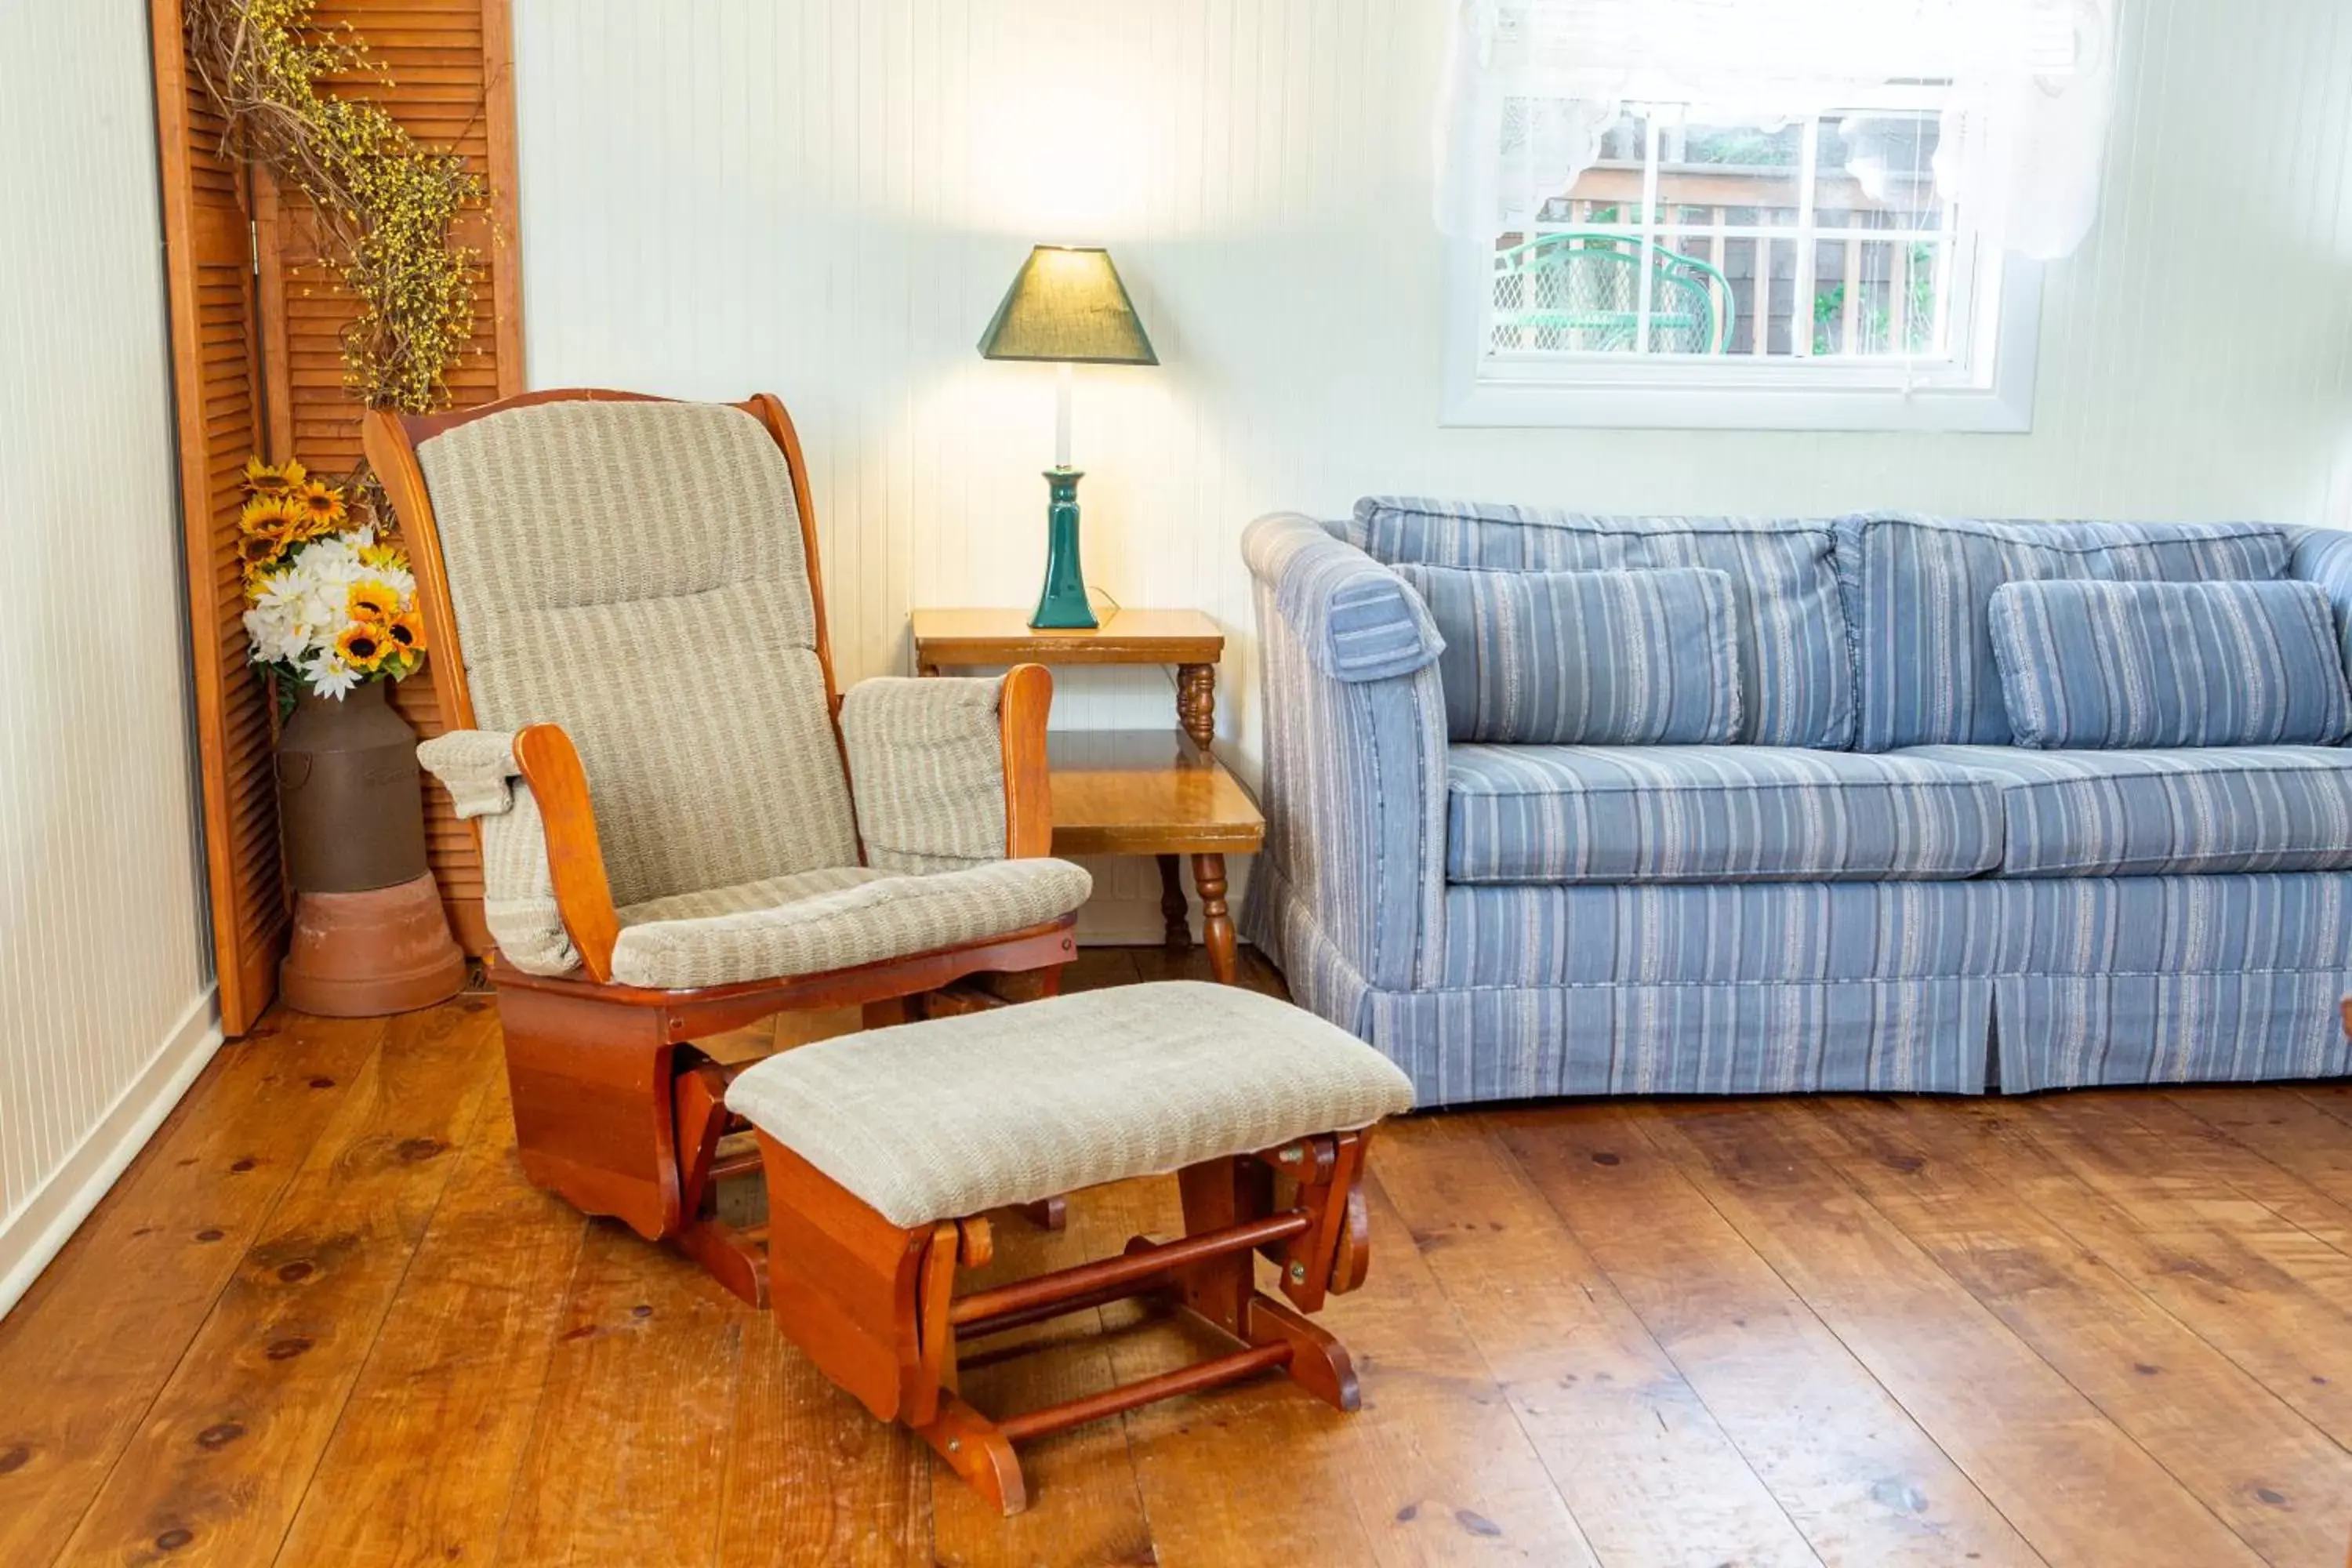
{"points": [[811, 923], [955, 1116]]}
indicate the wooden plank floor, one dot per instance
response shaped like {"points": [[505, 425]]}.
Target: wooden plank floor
{"points": [[323, 1320]]}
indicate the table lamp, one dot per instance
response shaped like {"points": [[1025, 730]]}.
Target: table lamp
{"points": [[1067, 305]]}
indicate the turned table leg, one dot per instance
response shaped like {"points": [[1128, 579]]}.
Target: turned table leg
{"points": [[1172, 908], [1217, 925], [1196, 703]]}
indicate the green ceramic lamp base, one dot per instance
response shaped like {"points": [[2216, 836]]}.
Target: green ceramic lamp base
{"points": [[1062, 604]]}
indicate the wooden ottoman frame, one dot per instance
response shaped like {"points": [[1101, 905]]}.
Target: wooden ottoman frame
{"points": [[874, 1305]]}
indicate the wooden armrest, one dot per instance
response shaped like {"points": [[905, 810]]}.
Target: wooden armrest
{"points": [[1021, 712], [583, 893]]}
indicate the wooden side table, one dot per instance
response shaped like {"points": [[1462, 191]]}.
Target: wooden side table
{"points": [[1161, 793]]}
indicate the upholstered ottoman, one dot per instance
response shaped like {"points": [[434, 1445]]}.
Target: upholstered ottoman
{"points": [[883, 1151]]}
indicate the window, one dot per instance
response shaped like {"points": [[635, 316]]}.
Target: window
{"points": [[1636, 239]]}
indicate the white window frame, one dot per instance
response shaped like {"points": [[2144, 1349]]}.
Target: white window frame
{"points": [[1985, 384]]}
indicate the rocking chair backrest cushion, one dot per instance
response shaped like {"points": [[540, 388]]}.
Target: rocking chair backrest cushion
{"points": [[634, 572]]}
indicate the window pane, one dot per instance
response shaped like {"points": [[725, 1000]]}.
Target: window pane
{"points": [[1771, 295], [1714, 269], [1747, 173], [1840, 325], [1876, 170], [1543, 141], [1693, 303], [1876, 296], [1610, 192], [1740, 265], [1570, 293]]}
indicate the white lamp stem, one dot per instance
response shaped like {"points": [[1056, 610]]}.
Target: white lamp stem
{"points": [[1062, 381]]}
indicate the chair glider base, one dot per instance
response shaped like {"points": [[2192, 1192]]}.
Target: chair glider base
{"points": [[619, 1112], [875, 1304]]}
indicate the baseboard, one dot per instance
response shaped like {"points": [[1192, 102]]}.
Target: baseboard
{"points": [[32, 1236]]}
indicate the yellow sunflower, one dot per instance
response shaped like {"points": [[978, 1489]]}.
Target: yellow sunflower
{"points": [[321, 506], [264, 527], [383, 557], [255, 551], [272, 479], [371, 602], [362, 647], [406, 632], [279, 517]]}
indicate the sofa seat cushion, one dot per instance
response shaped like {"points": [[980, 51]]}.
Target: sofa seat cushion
{"points": [[2141, 814], [1712, 814]]}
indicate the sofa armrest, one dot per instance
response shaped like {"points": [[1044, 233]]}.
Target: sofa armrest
{"points": [[1356, 619], [2323, 555], [478, 768], [1354, 785]]}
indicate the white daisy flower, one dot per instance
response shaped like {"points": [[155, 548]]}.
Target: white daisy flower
{"points": [[330, 676]]}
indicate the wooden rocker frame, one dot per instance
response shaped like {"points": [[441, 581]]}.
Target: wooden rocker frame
{"points": [[875, 1304], [617, 1109]]}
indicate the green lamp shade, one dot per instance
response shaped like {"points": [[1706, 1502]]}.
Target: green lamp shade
{"points": [[1067, 304]]}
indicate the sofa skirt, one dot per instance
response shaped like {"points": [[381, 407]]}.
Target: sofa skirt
{"points": [[1459, 1046], [1884, 987]]}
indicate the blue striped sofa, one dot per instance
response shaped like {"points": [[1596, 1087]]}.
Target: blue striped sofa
{"points": [[1870, 888]]}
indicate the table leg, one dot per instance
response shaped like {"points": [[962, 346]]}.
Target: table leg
{"points": [[1172, 908], [1217, 925], [1196, 703]]}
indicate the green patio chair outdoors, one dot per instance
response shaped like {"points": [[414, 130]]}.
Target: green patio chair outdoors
{"points": [[1580, 291]]}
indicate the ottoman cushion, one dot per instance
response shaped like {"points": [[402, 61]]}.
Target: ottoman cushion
{"points": [[948, 1118]]}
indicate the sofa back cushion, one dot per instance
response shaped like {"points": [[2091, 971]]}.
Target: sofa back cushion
{"points": [[1796, 681], [1918, 598], [1593, 659], [2115, 664]]}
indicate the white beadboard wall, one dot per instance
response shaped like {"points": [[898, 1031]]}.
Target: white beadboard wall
{"points": [[106, 1009], [826, 197]]}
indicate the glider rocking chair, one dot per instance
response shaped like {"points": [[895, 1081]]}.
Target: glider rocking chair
{"points": [[684, 830]]}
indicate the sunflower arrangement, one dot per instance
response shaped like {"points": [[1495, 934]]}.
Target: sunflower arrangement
{"points": [[328, 607]]}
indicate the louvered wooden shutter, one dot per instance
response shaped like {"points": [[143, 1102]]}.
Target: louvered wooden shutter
{"points": [[217, 383], [258, 367], [451, 87]]}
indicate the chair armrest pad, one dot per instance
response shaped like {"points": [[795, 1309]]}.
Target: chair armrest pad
{"points": [[478, 767], [1357, 619]]}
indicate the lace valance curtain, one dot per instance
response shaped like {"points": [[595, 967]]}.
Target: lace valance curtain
{"points": [[2024, 86]]}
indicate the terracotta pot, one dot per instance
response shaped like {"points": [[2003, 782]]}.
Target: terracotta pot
{"points": [[362, 955], [370, 936]]}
